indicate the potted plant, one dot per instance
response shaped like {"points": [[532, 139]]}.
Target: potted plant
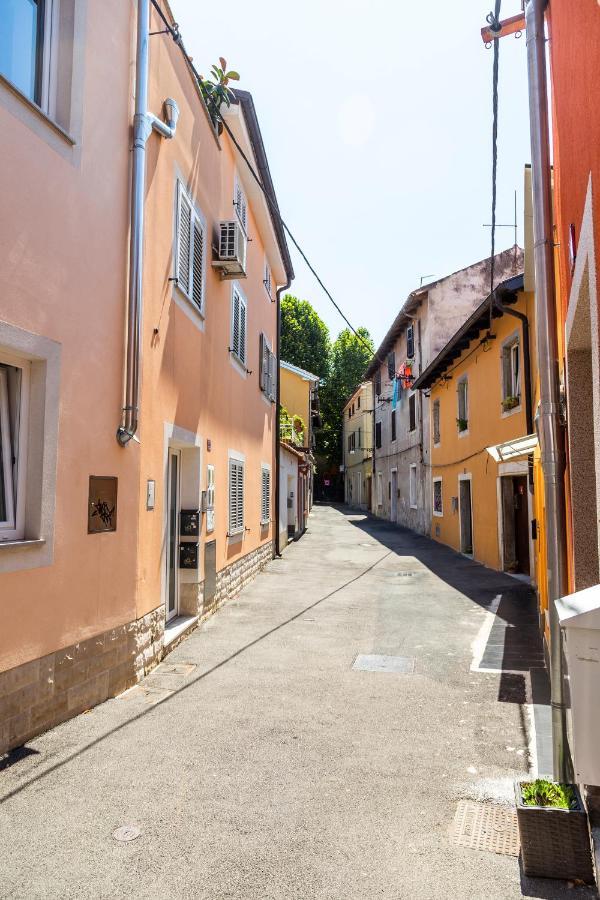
{"points": [[462, 424], [553, 829], [217, 91], [510, 403]]}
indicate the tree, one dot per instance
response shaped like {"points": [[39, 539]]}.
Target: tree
{"points": [[304, 336], [350, 357]]}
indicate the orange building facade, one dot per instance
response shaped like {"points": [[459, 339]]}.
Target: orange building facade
{"points": [[108, 553]]}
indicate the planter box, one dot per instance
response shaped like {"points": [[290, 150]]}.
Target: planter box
{"points": [[555, 843]]}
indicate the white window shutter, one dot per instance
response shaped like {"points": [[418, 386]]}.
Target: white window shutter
{"points": [[198, 265], [261, 356], [184, 241], [273, 376], [235, 323], [236, 496]]}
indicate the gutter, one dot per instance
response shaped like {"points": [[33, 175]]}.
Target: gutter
{"points": [[144, 123], [549, 427]]}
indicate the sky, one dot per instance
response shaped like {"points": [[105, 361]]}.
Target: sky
{"points": [[377, 121]]}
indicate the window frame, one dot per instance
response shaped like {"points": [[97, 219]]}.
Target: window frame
{"points": [[463, 383], [197, 220], [235, 352], [378, 438], [13, 527], [379, 489], [268, 279], [410, 341], [393, 426], [412, 413], [436, 422], [437, 480], [237, 527], [511, 346], [412, 482]]}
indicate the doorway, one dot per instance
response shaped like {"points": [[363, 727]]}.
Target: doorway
{"points": [[173, 510], [394, 497], [515, 524], [465, 515]]}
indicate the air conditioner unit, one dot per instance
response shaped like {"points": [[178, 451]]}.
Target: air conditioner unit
{"points": [[231, 252]]}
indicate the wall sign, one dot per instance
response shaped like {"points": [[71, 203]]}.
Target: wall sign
{"points": [[102, 504], [150, 494]]}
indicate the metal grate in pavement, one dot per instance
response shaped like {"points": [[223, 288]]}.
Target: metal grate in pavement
{"points": [[486, 826], [372, 662]]}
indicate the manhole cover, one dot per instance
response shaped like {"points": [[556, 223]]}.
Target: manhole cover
{"points": [[486, 826], [127, 833], [372, 662]]}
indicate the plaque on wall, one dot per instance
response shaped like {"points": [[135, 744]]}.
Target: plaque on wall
{"points": [[102, 504]]}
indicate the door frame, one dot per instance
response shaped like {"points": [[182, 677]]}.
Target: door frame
{"points": [[471, 555], [172, 452], [508, 470]]}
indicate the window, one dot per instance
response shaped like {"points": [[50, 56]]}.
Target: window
{"points": [[236, 496], [412, 412], [268, 281], [268, 369], [22, 45], [241, 205], [358, 401], [412, 486], [463, 405], [352, 442], [238, 326], [190, 250], [410, 341], [379, 489], [210, 498], [378, 435], [438, 507], [393, 424], [436, 422], [378, 383], [13, 422], [511, 388], [359, 439], [265, 496], [391, 365], [353, 409]]}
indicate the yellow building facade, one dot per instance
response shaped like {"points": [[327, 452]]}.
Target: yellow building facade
{"points": [[480, 396]]}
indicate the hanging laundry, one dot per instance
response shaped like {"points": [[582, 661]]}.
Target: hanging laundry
{"points": [[395, 394]]}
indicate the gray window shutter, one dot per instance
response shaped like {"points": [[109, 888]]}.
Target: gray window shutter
{"points": [[273, 378], [235, 323], [263, 374], [242, 353]]}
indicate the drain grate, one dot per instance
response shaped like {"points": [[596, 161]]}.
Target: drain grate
{"points": [[372, 662], [486, 826]]}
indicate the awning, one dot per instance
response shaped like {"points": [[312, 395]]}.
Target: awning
{"points": [[522, 446]]}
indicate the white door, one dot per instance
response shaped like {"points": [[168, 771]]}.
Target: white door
{"points": [[173, 509], [210, 498]]}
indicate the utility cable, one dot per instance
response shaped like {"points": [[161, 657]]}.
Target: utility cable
{"points": [[493, 20], [176, 35]]}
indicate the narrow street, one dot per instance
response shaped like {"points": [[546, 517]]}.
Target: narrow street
{"points": [[258, 763]]}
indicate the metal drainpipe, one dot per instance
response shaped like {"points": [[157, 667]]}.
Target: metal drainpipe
{"points": [[551, 444], [143, 123], [277, 546]]}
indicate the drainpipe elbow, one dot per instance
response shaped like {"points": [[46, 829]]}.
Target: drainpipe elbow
{"points": [[168, 127]]}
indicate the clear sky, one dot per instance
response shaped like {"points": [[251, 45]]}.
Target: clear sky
{"points": [[376, 118]]}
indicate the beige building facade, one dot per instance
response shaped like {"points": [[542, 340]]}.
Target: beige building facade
{"points": [[358, 447]]}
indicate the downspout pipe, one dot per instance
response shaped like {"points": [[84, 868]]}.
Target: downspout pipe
{"points": [[549, 427], [143, 124], [276, 542]]}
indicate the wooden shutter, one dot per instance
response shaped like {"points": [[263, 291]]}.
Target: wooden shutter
{"points": [[235, 323], [242, 352], [410, 341], [236, 496], [184, 241], [265, 509], [198, 265]]}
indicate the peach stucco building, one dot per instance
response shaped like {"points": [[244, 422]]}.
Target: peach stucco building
{"points": [[109, 550]]}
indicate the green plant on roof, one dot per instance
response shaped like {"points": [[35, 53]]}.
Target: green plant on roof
{"points": [[546, 793], [215, 89]]}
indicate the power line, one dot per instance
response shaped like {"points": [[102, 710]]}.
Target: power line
{"points": [[176, 35]]}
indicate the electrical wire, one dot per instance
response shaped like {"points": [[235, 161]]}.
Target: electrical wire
{"points": [[176, 35], [494, 21]]}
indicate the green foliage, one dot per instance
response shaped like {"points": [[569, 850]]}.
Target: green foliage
{"points": [[304, 336], [217, 91], [547, 793], [350, 357]]}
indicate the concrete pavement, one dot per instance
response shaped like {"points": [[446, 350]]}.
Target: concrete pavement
{"points": [[258, 763]]}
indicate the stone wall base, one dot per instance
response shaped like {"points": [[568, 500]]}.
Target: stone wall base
{"points": [[47, 691]]}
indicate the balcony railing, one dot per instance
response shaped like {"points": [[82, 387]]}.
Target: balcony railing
{"points": [[288, 433]]}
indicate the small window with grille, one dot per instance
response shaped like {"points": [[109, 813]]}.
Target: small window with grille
{"points": [[436, 422], [438, 503]]}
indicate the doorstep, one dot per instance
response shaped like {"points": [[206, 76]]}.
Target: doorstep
{"points": [[178, 627]]}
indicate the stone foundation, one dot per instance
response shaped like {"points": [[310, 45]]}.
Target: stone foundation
{"points": [[45, 692]]}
